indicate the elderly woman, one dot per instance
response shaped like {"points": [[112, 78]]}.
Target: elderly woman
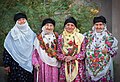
{"points": [[44, 55], [101, 47], [71, 53], [18, 50]]}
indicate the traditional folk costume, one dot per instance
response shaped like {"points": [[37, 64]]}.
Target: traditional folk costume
{"points": [[100, 66], [71, 44], [18, 51], [45, 50]]}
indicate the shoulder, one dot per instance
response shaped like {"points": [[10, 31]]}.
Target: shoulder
{"points": [[109, 34], [56, 34], [39, 37], [60, 37], [81, 36], [88, 33]]}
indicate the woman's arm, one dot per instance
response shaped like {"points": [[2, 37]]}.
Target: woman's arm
{"points": [[60, 54], [81, 55]]}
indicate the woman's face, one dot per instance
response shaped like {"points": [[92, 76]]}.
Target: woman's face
{"points": [[99, 26], [21, 21], [49, 27], [70, 27]]}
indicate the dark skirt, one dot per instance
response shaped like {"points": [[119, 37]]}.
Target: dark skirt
{"points": [[17, 73]]}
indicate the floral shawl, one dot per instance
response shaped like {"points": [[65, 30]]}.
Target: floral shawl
{"points": [[98, 63], [71, 45], [46, 45]]}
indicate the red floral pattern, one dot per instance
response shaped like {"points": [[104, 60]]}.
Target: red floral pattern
{"points": [[52, 51], [81, 77], [96, 61]]}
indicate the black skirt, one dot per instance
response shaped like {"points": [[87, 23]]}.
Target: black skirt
{"points": [[17, 73]]}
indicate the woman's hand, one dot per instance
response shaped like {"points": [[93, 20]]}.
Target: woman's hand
{"points": [[105, 51], [69, 58], [7, 69], [37, 67]]}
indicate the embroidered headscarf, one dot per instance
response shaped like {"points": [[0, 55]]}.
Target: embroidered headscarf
{"points": [[70, 20], [19, 44], [99, 19], [48, 38], [48, 20], [19, 15]]}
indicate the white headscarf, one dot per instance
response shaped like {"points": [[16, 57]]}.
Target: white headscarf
{"points": [[19, 44], [103, 32], [47, 38]]}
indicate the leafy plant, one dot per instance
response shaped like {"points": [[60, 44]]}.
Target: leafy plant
{"points": [[37, 10]]}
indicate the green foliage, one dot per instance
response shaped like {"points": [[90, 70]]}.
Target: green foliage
{"points": [[37, 10]]}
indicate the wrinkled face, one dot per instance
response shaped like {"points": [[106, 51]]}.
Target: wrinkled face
{"points": [[70, 27], [21, 21], [99, 26], [49, 27]]}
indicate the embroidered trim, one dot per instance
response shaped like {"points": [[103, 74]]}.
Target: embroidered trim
{"points": [[52, 51]]}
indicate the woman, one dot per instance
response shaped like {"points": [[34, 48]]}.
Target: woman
{"points": [[71, 53], [101, 47], [44, 55], [17, 54]]}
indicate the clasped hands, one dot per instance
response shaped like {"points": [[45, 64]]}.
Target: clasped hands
{"points": [[105, 51], [69, 58]]}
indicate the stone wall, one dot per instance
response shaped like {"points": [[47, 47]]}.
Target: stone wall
{"points": [[111, 10], [116, 33], [105, 10]]}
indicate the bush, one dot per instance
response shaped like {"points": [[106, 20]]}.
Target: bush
{"points": [[37, 10]]}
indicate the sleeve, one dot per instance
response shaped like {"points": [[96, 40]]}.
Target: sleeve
{"points": [[34, 57], [7, 59], [60, 55], [81, 55], [112, 50]]}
